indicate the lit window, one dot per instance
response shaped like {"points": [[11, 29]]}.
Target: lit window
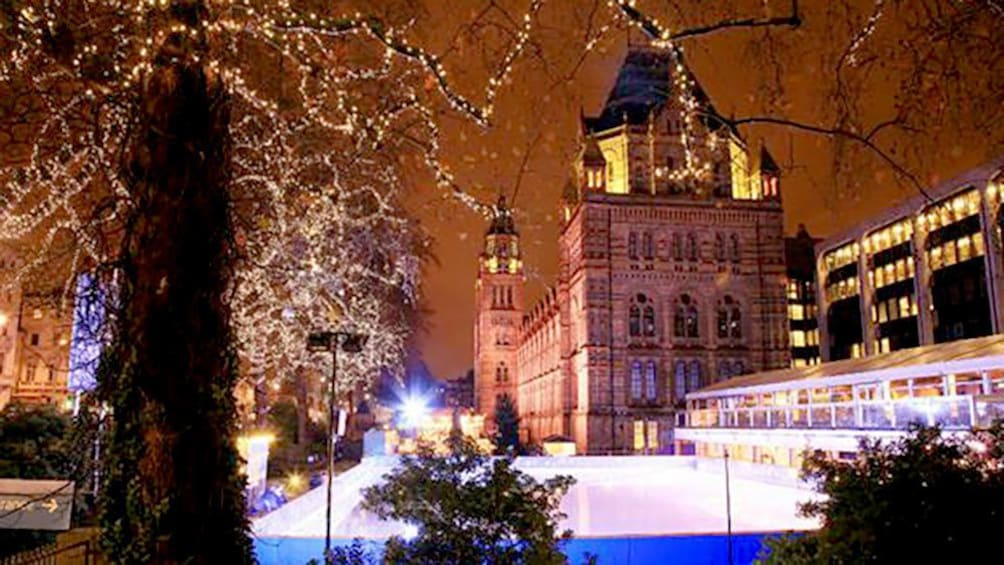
{"points": [[904, 306], [650, 380], [797, 338], [978, 250], [636, 380], [653, 434], [639, 435], [680, 380]]}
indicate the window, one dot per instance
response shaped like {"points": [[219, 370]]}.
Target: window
{"points": [[685, 320], [29, 371], [639, 435], [34, 339], [729, 319], [739, 368], [502, 373], [677, 247], [719, 248], [694, 376], [647, 247], [724, 370], [52, 375], [648, 326], [736, 249], [680, 380], [692, 251], [634, 320], [37, 314], [636, 380], [650, 380], [633, 245], [653, 434]]}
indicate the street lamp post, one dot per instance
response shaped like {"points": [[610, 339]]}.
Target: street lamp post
{"points": [[333, 341], [728, 505]]}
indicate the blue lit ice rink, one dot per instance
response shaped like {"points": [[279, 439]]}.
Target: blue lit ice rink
{"points": [[619, 506]]}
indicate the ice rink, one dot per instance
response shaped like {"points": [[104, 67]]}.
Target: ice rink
{"points": [[613, 497]]}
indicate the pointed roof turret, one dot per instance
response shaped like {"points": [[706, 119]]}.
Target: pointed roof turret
{"points": [[767, 164], [502, 221], [591, 152]]}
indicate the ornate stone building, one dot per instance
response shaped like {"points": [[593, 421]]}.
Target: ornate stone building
{"points": [[34, 343], [671, 273]]}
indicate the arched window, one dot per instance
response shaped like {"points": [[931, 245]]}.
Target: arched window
{"points": [[677, 247], [650, 379], [735, 248], [692, 247], [685, 318], [719, 248], [647, 247], [500, 373], [648, 325], [694, 376], [680, 380], [634, 320], [633, 245], [636, 380], [729, 319], [724, 370], [739, 368]]}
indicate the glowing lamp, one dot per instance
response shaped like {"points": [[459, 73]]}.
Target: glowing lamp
{"points": [[414, 410]]}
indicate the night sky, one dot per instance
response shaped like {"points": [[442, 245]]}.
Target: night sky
{"points": [[782, 72]]}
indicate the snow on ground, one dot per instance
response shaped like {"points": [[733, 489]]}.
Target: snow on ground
{"points": [[613, 496]]}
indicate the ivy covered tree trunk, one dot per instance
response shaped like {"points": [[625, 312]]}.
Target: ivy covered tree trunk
{"points": [[172, 486]]}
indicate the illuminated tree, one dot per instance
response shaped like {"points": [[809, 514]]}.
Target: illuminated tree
{"points": [[230, 171]]}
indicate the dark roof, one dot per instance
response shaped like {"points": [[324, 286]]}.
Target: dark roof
{"points": [[767, 163], [502, 222], [643, 84], [591, 152]]}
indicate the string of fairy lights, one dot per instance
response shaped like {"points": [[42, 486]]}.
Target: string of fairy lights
{"points": [[313, 255]]}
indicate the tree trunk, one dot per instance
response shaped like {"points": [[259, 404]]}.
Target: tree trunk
{"points": [[172, 466]]}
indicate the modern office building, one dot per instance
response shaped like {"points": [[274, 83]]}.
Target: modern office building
{"points": [[803, 325], [927, 271], [774, 417]]}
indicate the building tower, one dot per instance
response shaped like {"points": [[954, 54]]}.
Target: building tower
{"points": [[499, 303]]}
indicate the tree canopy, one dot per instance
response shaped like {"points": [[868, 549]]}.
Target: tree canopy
{"points": [[927, 498], [470, 508]]}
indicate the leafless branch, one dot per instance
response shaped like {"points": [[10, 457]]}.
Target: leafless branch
{"points": [[654, 30]]}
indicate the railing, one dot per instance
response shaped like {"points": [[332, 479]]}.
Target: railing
{"points": [[950, 413], [80, 553]]}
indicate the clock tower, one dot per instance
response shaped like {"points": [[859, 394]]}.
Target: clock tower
{"points": [[499, 303]]}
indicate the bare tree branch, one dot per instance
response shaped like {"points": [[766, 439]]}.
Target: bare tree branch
{"points": [[655, 31], [864, 140]]}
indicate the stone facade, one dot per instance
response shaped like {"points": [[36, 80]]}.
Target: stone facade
{"points": [[671, 276], [35, 335]]}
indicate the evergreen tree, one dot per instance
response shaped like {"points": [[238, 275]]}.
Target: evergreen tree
{"points": [[470, 508], [506, 426]]}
